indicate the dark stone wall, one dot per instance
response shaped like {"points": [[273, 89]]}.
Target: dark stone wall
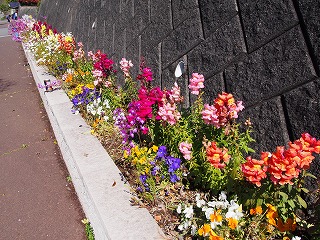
{"points": [[265, 52]]}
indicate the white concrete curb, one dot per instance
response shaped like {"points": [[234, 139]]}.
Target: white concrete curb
{"points": [[93, 172]]}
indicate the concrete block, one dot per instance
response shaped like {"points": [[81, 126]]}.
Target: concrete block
{"points": [[269, 126], [303, 108], [215, 14], [181, 10], [222, 48], [310, 14], [264, 20], [271, 70], [182, 39]]}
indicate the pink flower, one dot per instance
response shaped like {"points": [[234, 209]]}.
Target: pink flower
{"points": [[209, 115], [224, 109], [175, 94], [185, 149], [169, 113], [125, 66], [196, 82]]}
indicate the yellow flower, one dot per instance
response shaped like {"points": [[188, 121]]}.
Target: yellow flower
{"points": [[68, 38], [125, 154], [154, 148], [232, 223], [85, 221], [143, 160], [204, 230], [135, 160]]}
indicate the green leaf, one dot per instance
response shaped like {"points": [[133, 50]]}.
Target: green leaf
{"points": [[291, 203], [284, 196], [310, 175], [305, 190], [259, 202], [302, 202], [289, 187]]}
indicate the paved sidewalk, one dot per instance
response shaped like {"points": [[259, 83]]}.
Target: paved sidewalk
{"points": [[36, 200]]}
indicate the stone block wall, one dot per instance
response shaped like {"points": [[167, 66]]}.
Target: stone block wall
{"points": [[265, 52]]}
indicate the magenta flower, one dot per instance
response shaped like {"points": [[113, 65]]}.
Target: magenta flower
{"points": [[196, 83]]}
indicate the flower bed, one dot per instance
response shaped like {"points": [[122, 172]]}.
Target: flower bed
{"points": [[191, 168]]}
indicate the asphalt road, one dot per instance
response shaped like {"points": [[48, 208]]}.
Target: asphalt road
{"points": [[36, 199]]}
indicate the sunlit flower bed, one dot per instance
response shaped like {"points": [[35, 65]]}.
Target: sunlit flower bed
{"points": [[192, 164]]}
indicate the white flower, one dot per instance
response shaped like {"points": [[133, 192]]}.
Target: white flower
{"points": [[234, 211], [296, 238], [188, 212], [179, 209], [208, 212], [193, 230], [219, 204], [200, 202], [106, 118], [214, 224], [223, 196]]}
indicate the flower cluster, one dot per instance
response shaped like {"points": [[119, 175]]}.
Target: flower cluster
{"points": [[98, 108], [213, 219], [284, 164], [224, 109], [86, 96], [67, 43], [102, 68]]}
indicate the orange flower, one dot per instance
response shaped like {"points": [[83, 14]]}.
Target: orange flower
{"points": [[282, 167], [255, 170], [290, 225], [204, 230], [215, 216], [232, 223], [271, 215], [256, 211], [217, 156], [214, 236]]}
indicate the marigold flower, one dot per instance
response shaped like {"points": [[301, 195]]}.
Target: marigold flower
{"points": [[255, 170], [290, 225], [217, 156], [214, 236]]}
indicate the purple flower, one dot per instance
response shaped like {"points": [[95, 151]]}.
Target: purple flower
{"points": [[162, 152], [174, 178], [173, 163]]}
